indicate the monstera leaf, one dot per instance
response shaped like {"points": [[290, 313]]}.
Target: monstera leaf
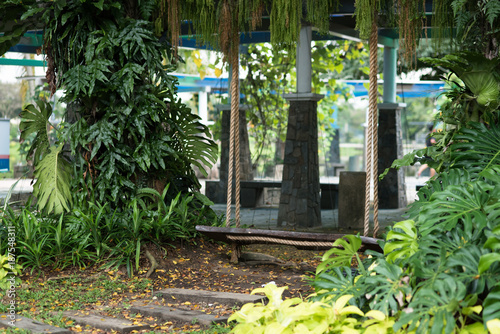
{"points": [[401, 241], [36, 121], [433, 310], [52, 187], [389, 289], [455, 204], [476, 147], [338, 282], [454, 176], [192, 140], [343, 256]]}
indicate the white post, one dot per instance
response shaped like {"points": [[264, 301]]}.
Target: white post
{"points": [[203, 104], [304, 60]]}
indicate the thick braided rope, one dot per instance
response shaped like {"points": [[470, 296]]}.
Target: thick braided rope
{"points": [[374, 121], [280, 241], [369, 143], [235, 118], [232, 132]]}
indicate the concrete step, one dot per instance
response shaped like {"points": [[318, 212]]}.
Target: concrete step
{"points": [[166, 313], [210, 297], [29, 324], [161, 312], [106, 323]]}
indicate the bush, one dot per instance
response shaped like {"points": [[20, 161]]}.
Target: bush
{"points": [[95, 233]]}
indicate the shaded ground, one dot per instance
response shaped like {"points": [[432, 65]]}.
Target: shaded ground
{"points": [[203, 265], [206, 266]]}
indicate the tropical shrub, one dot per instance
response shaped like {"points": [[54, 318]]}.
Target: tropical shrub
{"points": [[298, 316], [126, 128], [98, 234]]}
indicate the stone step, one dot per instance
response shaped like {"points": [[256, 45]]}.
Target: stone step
{"points": [[104, 322], [29, 324], [209, 297], [166, 313]]}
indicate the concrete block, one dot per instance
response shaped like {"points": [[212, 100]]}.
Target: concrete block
{"points": [[352, 200], [32, 325], [200, 296], [166, 313], [106, 323]]}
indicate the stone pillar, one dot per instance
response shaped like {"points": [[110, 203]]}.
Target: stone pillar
{"points": [[300, 188], [246, 172], [391, 189]]}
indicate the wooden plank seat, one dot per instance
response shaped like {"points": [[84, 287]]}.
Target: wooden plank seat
{"points": [[252, 191], [300, 240]]}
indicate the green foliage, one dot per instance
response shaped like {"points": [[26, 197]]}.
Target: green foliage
{"points": [[306, 316], [9, 268], [271, 74], [401, 241], [52, 170], [52, 187], [128, 129], [94, 233], [344, 251], [475, 23], [21, 16], [440, 271], [36, 121], [472, 108]]}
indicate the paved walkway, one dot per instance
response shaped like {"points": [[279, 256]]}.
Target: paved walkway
{"points": [[22, 186], [265, 217]]}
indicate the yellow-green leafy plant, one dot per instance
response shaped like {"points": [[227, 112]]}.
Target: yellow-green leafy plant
{"points": [[296, 315], [7, 268]]}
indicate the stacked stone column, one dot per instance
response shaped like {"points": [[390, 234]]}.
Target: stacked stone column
{"points": [[300, 188]]}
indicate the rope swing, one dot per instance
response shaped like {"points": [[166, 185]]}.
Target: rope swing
{"points": [[372, 136], [234, 142]]}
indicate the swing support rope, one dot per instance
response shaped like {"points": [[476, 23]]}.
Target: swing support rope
{"points": [[234, 143], [372, 137]]}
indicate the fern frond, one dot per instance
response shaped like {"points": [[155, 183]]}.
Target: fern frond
{"points": [[52, 187], [492, 11]]}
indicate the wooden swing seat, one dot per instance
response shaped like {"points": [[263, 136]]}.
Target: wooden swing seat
{"points": [[300, 240]]}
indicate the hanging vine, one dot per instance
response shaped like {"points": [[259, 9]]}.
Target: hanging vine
{"points": [[365, 15]]}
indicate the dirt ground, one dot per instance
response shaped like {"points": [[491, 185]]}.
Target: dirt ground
{"points": [[199, 264], [206, 266]]}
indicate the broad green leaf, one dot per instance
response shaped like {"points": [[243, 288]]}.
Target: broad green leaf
{"points": [[491, 305], [36, 121], [433, 309], [337, 282], [401, 244], [463, 203], [342, 253], [487, 260], [52, 187], [388, 290]]}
